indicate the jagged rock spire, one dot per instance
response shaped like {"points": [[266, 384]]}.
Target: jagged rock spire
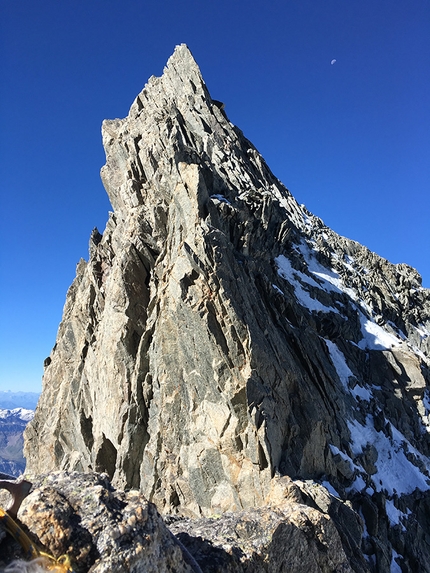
{"points": [[220, 333]]}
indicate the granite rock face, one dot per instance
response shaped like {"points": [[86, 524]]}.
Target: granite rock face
{"points": [[220, 335]]}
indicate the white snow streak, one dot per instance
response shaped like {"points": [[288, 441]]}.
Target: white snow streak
{"points": [[21, 413], [343, 371], [395, 473], [339, 363], [375, 337], [294, 277]]}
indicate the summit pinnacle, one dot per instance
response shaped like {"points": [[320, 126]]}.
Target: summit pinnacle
{"points": [[221, 335]]}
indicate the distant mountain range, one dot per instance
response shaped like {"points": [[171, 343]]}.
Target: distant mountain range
{"points": [[12, 425], [10, 400]]}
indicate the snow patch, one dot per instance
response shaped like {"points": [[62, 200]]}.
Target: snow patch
{"points": [[335, 451], [328, 280], [287, 272], [395, 473], [362, 393], [357, 485], [306, 219], [426, 401], [394, 566], [20, 413], [329, 277], [375, 337], [422, 331], [349, 263], [400, 332], [330, 488], [424, 411], [339, 362], [394, 514]]}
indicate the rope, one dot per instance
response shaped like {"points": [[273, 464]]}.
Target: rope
{"points": [[60, 565]]}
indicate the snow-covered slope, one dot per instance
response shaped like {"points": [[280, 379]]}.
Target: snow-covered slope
{"points": [[12, 425]]}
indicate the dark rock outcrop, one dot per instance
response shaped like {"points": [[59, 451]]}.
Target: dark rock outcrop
{"points": [[220, 335]]}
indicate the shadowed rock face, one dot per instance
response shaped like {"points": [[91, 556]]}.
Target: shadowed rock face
{"points": [[221, 334]]}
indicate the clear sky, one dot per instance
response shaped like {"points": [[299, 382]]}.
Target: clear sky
{"points": [[350, 138]]}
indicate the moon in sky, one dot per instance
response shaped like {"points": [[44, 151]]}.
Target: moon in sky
{"points": [[333, 62]]}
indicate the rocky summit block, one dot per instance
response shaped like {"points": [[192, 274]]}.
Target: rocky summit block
{"points": [[220, 335]]}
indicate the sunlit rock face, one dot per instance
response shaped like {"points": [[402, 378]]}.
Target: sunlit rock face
{"points": [[221, 334]]}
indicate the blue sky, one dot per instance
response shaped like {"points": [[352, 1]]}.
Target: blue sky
{"points": [[351, 140]]}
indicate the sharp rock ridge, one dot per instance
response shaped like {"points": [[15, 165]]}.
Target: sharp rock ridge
{"points": [[221, 335]]}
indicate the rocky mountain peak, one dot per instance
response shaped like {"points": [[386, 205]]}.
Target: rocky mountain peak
{"points": [[220, 336], [160, 112]]}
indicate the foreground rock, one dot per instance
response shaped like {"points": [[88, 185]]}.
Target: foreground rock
{"points": [[302, 528], [102, 530], [220, 334], [105, 530]]}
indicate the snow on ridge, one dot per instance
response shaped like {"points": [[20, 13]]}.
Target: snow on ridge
{"points": [[294, 277], [395, 472], [343, 371], [375, 337], [21, 413]]}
